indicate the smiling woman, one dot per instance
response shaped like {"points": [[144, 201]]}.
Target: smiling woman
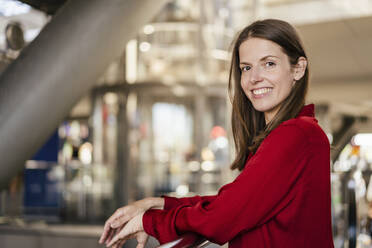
{"points": [[282, 196], [267, 79]]}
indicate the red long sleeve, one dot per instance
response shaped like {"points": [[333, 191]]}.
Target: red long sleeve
{"points": [[173, 202], [282, 195]]}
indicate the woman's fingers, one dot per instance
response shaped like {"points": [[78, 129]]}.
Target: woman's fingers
{"points": [[105, 233], [121, 220], [107, 227], [119, 213], [120, 217], [116, 245], [127, 233], [121, 243], [118, 237], [129, 230], [142, 238], [140, 245], [123, 215], [111, 234]]}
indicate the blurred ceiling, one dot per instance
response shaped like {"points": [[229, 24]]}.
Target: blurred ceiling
{"points": [[340, 54], [337, 36]]}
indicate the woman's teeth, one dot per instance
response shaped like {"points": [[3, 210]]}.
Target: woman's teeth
{"points": [[262, 91]]}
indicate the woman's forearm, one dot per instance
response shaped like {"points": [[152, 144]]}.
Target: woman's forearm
{"points": [[154, 202]]}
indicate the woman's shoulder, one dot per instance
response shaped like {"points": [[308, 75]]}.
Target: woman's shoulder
{"points": [[306, 125]]}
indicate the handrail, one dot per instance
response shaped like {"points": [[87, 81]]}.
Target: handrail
{"points": [[189, 240]]}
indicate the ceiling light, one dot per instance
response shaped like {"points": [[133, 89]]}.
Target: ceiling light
{"points": [[11, 8]]}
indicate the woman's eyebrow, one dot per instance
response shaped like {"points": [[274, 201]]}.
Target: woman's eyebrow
{"points": [[262, 59], [268, 56]]}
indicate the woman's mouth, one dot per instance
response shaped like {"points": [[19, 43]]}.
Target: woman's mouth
{"points": [[262, 92]]}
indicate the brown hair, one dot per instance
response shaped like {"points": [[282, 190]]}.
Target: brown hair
{"points": [[248, 125]]}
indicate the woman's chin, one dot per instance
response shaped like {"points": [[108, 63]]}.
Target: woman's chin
{"points": [[263, 108]]}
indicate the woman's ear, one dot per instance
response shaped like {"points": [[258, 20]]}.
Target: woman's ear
{"points": [[300, 68]]}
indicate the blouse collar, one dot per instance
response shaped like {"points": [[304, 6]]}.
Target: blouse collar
{"points": [[307, 110]]}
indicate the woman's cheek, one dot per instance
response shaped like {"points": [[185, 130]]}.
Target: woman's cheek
{"points": [[243, 83], [244, 89], [246, 92]]}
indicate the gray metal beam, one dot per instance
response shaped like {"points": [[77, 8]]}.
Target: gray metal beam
{"points": [[343, 136], [38, 89]]}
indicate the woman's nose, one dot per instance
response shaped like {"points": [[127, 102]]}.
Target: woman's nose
{"points": [[256, 75]]}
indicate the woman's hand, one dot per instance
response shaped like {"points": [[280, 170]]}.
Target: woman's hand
{"points": [[133, 229], [126, 213]]}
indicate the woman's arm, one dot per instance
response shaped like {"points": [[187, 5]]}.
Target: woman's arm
{"points": [[262, 190], [126, 219], [173, 202], [126, 213]]}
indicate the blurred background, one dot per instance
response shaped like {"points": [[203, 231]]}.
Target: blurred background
{"points": [[157, 121]]}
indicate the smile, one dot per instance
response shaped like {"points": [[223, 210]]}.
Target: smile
{"points": [[261, 91]]}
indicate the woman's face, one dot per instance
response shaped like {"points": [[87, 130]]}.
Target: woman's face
{"points": [[267, 76]]}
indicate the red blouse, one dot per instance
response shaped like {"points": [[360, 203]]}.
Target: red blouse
{"points": [[281, 198]]}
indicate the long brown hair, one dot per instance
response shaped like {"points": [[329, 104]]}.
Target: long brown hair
{"points": [[248, 125]]}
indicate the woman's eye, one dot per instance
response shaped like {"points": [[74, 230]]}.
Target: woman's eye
{"points": [[269, 64], [245, 68]]}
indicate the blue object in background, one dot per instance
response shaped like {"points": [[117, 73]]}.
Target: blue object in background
{"points": [[49, 152], [42, 195], [42, 187]]}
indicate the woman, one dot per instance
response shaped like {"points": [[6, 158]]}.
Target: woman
{"points": [[282, 196]]}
